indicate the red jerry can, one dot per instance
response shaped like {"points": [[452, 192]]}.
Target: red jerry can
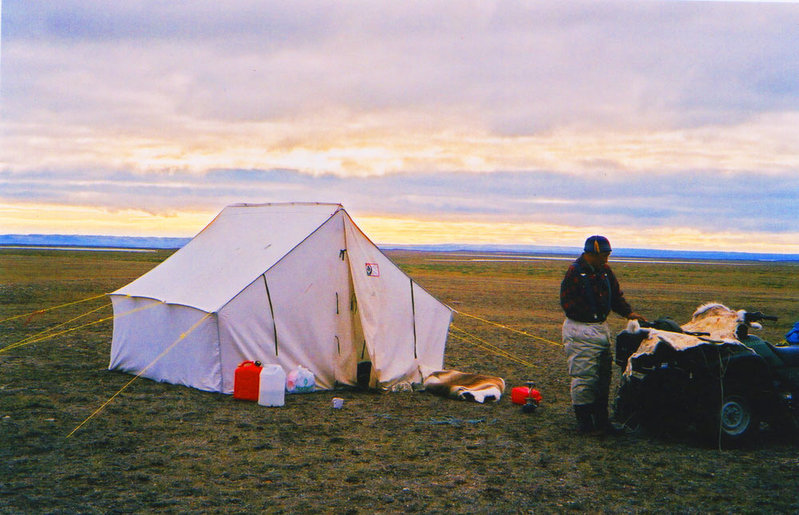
{"points": [[246, 381]]}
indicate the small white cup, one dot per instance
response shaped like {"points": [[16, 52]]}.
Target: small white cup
{"points": [[338, 402]]}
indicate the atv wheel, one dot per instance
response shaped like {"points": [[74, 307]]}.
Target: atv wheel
{"points": [[736, 416], [737, 422]]}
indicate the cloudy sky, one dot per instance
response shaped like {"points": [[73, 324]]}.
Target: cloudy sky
{"points": [[662, 124]]}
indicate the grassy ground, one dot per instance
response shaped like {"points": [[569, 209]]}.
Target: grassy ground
{"points": [[163, 448]]}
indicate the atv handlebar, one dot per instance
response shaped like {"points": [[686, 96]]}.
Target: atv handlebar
{"points": [[757, 316]]}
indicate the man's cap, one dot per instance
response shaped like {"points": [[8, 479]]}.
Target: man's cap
{"points": [[597, 244]]}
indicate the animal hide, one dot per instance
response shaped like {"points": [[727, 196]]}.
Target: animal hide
{"points": [[465, 386], [717, 323]]}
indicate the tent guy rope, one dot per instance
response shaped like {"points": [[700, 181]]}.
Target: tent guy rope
{"points": [[525, 333], [490, 347], [32, 337], [24, 342], [40, 311], [164, 353], [42, 336]]}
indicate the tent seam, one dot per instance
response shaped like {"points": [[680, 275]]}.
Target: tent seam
{"points": [[413, 318], [271, 311], [219, 353]]}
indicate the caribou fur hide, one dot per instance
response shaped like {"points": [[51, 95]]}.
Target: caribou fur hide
{"points": [[465, 386], [718, 323]]}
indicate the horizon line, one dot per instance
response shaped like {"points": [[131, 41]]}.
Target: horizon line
{"points": [[139, 242]]}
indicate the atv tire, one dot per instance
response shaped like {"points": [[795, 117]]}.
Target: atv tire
{"points": [[735, 423]]}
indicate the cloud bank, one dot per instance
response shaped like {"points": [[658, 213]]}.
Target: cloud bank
{"points": [[635, 115]]}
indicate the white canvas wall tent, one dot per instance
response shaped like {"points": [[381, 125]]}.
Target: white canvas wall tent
{"points": [[294, 284]]}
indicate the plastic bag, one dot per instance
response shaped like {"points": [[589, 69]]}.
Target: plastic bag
{"points": [[300, 380]]}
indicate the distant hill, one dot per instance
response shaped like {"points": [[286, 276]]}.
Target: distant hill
{"points": [[75, 240], [619, 252], [134, 242]]}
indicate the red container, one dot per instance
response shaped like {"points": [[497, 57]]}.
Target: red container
{"points": [[520, 394], [246, 381]]}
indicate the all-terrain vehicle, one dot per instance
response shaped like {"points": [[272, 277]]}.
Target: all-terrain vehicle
{"points": [[722, 385]]}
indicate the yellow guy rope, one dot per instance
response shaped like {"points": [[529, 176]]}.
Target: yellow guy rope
{"points": [[106, 403], [490, 347], [50, 329], [28, 341], [52, 308], [510, 328], [20, 344]]}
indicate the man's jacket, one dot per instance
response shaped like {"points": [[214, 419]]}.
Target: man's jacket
{"points": [[588, 295]]}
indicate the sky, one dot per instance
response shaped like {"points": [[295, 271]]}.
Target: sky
{"points": [[660, 124]]}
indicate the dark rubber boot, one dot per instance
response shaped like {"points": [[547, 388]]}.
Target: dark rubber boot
{"points": [[585, 418], [601, 420]]}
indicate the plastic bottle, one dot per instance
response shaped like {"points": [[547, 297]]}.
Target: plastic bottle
{"points": [[272, 388]]}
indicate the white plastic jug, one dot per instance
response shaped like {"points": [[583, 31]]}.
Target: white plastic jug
{"points": [[300, 380], [272, 387]]}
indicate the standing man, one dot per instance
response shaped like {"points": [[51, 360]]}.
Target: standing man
{"points": [[588, 293]]}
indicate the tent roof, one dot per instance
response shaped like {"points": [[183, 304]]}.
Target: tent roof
{"points": [[241, 243]]}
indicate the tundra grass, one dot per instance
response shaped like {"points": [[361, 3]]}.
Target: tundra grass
{"points": [[164, 448]]}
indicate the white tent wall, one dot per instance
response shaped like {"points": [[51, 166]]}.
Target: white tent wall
{"points": [[302, 288], [145, 328], [432, 327], [400, 336]]}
